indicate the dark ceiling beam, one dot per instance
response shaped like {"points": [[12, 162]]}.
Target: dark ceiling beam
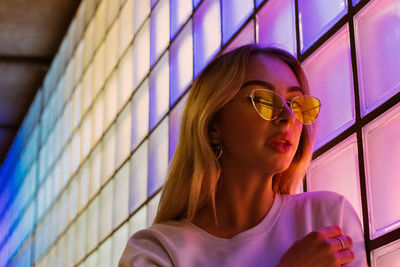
{"points": [[44, 61]]}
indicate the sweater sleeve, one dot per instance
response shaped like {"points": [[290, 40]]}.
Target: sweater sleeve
{"points": [[144, 249]]}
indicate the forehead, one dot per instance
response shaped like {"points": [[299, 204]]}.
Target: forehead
{"points": [[271, 70]]}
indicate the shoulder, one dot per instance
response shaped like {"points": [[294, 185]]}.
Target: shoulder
{"points": [[316, 198]]}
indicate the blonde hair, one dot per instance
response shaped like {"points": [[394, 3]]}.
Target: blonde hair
{"points": [[194, 170]]}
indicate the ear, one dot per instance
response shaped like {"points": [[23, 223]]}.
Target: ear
{"points": [[214, 133]]}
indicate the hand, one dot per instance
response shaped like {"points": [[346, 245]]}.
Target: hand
{"points": [[320, 248]]}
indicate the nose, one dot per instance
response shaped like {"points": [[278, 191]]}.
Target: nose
{"points": [[286, 115]]}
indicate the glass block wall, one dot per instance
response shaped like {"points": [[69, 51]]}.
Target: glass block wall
{"points": [[86, 168]]}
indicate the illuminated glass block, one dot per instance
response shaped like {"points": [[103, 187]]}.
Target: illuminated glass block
{"points": [[159, 30], [62, 212], [73, 196], [81, 236], [378, 51], [65, 167], [159, 91], [112, 47], [106, 206], [89, 43], [152, 207], [138, 221], [276, 25], [140, 114], [124, 135], [138, 178], [119, 239], [312, 27], [41, 199], [105, 253], [86, 134], [337, 171], [386, 256], [158, 157], [94, 223], [207, 33], [70, 245], [121, 195], [75, 152], [97, 119], [381, 143], [141, 12], [61, 257], [125, 84], [67, 123], [100, 23], [52, 230], [126, 26], [112, 11], [98, 70], [355, 2], [109, 152], [174, 125], [196, 3], [181, 60], [84, 179], [93, 259], [69, 80], [330, 78], [234, 14], [76, 106], [258, 2], [87, 89], [110, 100], [78, 62], [246, 36], [141, 54], [180, 12], [95, 171]]}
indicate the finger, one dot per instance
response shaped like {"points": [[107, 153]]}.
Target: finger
{"points": [[331, 231], [345, 256], [337, 245]]}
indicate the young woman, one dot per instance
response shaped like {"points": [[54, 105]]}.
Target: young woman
{"points": [[245, 143]]}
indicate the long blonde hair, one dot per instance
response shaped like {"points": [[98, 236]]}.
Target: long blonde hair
{"points": [[194, 170]]}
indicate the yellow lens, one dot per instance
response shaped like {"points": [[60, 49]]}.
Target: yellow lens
{"points": [[267, 104], [306, 108]]}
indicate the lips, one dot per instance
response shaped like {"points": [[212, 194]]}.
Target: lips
{"points": [[281, 142]]}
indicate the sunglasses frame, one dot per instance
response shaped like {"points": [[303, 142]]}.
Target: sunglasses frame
{"points": [[289, 103]]}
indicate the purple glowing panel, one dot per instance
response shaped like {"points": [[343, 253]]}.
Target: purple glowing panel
{"points": [[174, 125], [153, 3], [316, 17], [258, 2], [180, 12], [330, 77], [159, 91], [196, 3], [377, 34], [381, 153], [355, 2], [234, 14], [158, 157], [276, 25], [207, 33], [159, 30], [181, 63]]}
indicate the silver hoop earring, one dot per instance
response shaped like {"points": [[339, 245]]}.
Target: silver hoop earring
{"points": [[217, 150]]}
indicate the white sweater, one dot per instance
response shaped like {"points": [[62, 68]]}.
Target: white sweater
{"points": [[290, 218]]}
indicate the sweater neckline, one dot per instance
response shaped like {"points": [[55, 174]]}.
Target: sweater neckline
{"points": [[262, 227]]}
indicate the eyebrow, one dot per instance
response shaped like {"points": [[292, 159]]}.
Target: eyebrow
{"points": [[271, 86]]}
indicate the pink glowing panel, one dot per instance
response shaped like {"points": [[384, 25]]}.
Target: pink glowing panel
{"points": [[381, 153], [138, 177], [276, 25], [158, 157], [180, 12], [81, 236], [86, 134], [125, 85], [106, 206], [159, 30], [119, 239], [152, 207], [386, 256], [126, 26], [124, 135], [234, 14], [337, 171], [140, 114], [330, 78], [377, 28], [110, 100], [109, 154], [207, 33], [105, 253], [138, 221], [112, 47], [181, 60], [121, 195], [94, 222], [159, 91], [246, 36], [95, 170], [312, 27], [141, 54], [141, 12], [174, 125]]}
